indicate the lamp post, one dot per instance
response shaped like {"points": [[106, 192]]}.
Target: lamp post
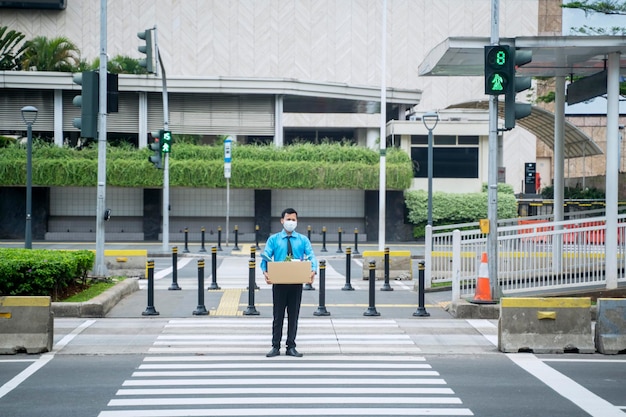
{"points": [[430, 121], [29, 115]]}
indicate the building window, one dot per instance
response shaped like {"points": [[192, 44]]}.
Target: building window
{"points": [[453, 156]]}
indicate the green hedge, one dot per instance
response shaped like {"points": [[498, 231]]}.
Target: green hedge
{"points": [[41, 272], [455, 208], [302, 166]]}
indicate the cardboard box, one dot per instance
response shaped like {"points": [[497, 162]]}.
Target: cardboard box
{"points": [[289, 272]]}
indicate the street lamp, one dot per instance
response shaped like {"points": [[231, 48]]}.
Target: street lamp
{"points": [[29, 115], [430, 121]]}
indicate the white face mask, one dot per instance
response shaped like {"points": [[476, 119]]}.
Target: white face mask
{"points": [[290, 225]]}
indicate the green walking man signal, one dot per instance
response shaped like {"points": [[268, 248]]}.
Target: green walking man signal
{"points": [[499, 70]]}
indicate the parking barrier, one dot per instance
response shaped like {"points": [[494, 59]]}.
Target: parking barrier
{"points": [[202, 233], [348, 286], [251, 310], [219, 238], [356, 241], [213, 285], [186, 249], [324, 239], [236, 231], [150, 310], [200, 309], [339, 231], [386, 286], [371, 310], [421, 309], [321, 308], [256, 237], [174, 286]]}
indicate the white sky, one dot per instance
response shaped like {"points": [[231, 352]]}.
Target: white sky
{"points": [[577, 18]]}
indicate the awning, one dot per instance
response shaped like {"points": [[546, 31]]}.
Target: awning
{"points": [[541, 124]]}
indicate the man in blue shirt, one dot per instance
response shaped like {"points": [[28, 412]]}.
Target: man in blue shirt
{"points": [[279, 246]]}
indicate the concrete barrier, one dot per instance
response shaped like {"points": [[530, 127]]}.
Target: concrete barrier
{"points": [[129, 262], [98, 306], [611, 325], [400, 264], [26, 325], [545, 325]]}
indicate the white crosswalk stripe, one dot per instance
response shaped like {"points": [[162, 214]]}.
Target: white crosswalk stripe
{"points": [[209, 370]]}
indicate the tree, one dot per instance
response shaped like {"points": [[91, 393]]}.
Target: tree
{"points": [[57, 54], [9, 55], [121, 65]]}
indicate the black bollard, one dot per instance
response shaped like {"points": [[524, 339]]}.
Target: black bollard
{"points": [[356, 241], [251, 310], [321, 308], [386, 286], [421, 309], [186, 250], [348, 285], [236, 231], [253, 257], [202, 233], [219, 238], [308, 232], [371, 310], [213, 285], [256, 237], [150, 310], [324, 239], [339, 231], [174, 285], [200, 309]]}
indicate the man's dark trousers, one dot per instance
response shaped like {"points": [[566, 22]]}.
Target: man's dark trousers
{"points": [[287, 296]]}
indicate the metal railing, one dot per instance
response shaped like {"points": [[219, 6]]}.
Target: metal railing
{"points": [[534, 255]]}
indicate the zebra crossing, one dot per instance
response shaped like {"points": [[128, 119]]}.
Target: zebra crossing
{"points": [[218, 368]]}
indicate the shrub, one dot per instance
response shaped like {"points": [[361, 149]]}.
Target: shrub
{"points": [[41, 272], [455, 208]]}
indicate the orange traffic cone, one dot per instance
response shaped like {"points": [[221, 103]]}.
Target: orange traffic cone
{"points": [[483, 287]]}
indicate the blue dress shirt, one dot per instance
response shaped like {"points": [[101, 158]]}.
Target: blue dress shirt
{"points": [[276, 249]]}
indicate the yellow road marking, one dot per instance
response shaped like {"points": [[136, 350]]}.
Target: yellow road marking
{"points": [[352, 305], [17, 301], [229, 303], [5, 315]]}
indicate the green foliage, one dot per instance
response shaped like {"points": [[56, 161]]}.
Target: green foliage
{"points": [[41, 272], [598, 6], [575, 193], [10, 53], [306, 166], [120, 64], [502, 188], [56, 54], [455, 208]]}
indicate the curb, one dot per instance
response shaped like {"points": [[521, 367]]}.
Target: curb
{"points": [[98, 306]]}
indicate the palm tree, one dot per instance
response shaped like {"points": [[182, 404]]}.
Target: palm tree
{"points": [[57, 54], [121, 64], [9, 57]]}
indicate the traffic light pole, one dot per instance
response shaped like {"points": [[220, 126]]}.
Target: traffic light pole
{"points": [[100, 267], [166, 155], [492, 177]]}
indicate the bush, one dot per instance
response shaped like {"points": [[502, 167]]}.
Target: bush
{"points": [[455, 208], [41, 272]]}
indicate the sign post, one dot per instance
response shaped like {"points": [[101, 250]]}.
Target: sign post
{"points": [[228, 144]]}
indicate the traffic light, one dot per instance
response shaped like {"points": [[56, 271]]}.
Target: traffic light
{"points": [[112, 93], [513, 110], [148, 49], [498, 69], [166, 141], [88, 103], [156, 156]]}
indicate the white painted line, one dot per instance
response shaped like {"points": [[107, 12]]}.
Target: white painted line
{"points": [[347, 359], [43, 360], [180, 263], [290, 365], [285, 372], [587, 360], [69, 337], [283, 381], [287, 391], [486, 328], [283, 400], [568, 388], [227, 412], [23, 376], [307, 337], [16, 360]]}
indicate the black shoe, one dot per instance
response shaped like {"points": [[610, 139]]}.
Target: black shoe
{"points": [[273, 352], [293, 352]]}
